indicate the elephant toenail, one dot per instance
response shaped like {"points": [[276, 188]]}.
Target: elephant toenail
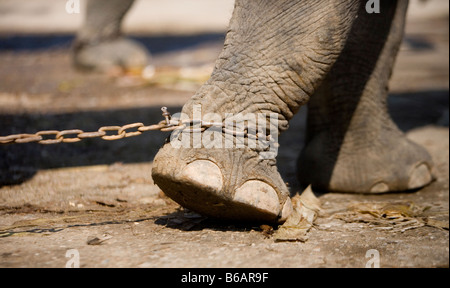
{"points": [[259, 195], [203, 173], [286, 211], [380, 187], [420, 176]]}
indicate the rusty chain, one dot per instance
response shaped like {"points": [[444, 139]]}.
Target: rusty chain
{"points": [[166, 125]]}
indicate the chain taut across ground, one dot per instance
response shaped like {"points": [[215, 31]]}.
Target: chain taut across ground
{"points": [[61, 136], [166, 125]]}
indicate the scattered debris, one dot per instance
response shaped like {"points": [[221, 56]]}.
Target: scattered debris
{"points": [[267, 230], [436, 223], [306, 209], [91, 218], [388, 216], [102, 203], [94, 240]]}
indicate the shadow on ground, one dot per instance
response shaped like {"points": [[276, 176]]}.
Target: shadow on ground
{"points": [[19, 162], [155, 44]]}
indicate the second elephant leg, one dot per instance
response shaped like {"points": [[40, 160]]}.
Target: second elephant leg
{"points": [[352, 143], [100, 45]]}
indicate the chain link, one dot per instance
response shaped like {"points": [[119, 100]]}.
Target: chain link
{"points": [[76, 135], [167, 125]]}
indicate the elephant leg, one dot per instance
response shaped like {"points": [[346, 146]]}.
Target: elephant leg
{"points": [[276, 54], [352, 143], [99, 44]]}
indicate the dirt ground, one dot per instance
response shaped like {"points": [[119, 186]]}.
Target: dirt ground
{"points": [[98, 198]]}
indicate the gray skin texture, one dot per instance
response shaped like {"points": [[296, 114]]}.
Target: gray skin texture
{"points": [[352, 143], [277, 57]]}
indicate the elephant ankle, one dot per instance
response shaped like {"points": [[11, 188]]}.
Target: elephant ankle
{"points": [[222, 130]]}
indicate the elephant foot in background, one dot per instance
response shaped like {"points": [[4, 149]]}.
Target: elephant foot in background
{"points": [[388, 163], [112, 54], [100, 46]]}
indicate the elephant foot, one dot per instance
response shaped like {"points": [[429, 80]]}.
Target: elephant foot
{"points": [[233, 184], [390, 163], [110, 55]]}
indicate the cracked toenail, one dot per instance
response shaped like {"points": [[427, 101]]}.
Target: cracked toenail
{"points": [[203, 173], [379, 188], [286, 211], [259, 195], [420, 177]]}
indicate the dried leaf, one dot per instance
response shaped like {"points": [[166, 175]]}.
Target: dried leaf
{"points": [[306, 208], [436, 223]]}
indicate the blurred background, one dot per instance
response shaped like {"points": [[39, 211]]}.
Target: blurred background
{"points": [[173, 17], [146, 16]]}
